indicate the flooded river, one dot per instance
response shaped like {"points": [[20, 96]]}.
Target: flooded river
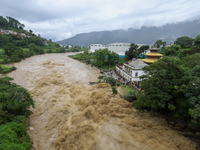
{"points": [[70, 114]]}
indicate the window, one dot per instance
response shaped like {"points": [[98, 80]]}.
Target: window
{"points": [[136, 74]]}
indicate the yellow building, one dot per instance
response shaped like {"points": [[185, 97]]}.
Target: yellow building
{"points": [[153, 56]]}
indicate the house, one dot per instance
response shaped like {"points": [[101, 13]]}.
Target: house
{"points": [[14, 33], [28, 36], [45, 43], [22, 35], [2, 31], [132, 70], [94, 47]]}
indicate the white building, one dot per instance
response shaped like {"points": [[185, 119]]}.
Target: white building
{"points": [[94, 47], [131, 71], [121, 48]]}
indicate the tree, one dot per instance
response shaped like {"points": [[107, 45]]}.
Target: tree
{"points": [[192, 79], [105, 57], [132, 52], [3, 22], [197, 40], [159, 43], [191, 61], [142, 49], [30, 31], [184, 41], [9, 49], [159, 84], [172, 50]]}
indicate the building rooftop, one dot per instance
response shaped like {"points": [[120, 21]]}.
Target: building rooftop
{"points": [[149, 60], [137, 63], [153, 54]]}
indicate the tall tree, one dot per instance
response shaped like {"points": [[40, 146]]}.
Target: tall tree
{"points": [[197, 40], [3, 22], [132, 52], [159, 43], [142, 49]]}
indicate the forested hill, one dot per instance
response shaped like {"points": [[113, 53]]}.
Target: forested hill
{"points": [[145, 35]]}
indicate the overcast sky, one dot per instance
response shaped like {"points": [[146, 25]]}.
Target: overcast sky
{"points": [[61, 19]]}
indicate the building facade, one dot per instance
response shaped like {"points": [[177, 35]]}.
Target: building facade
{"points": [[131, 71], [94, 47]]}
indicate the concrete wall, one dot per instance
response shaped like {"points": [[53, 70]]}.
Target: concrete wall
{"points": [[119, 48], [94, 47]]}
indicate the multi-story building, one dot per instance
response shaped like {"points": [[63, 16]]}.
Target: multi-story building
{"points": [[131, 71], [94, 47]]}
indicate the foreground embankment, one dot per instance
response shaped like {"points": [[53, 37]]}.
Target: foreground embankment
{"points": [[71, 114]]}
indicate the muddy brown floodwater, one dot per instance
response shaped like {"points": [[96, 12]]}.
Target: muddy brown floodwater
{"points": [[70, 114]]}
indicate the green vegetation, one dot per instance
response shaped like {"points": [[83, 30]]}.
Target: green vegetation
{"points": [[6, 69], [17, 44], [14, 102], [127, 89], [114, 90], [159, 43], [110, 80], [84, 57], [134, 52], [101, 58], [171, 86], [183, 46]]}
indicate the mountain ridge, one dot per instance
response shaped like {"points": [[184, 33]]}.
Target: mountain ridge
{"points": [[145, 35]]}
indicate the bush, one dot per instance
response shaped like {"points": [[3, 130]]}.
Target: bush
{"points": [[14, 136], [114, 90], [100, 77], [17, 100], [110, 80], [14, 100]]}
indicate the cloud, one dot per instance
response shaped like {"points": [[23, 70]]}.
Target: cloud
{"points": [[61, 19]]}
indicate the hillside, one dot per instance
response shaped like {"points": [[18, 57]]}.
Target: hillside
{"points": [[145, 35]]}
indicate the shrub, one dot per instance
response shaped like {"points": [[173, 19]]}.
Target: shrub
{"points": [[17, 100], [100, 77], [110, 80], [114, 90], [14, 136]]}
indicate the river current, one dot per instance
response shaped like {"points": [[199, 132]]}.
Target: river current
{"points": [[70, 114]]}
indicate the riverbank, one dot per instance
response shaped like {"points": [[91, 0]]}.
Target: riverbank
{"points": [[6, 69]]}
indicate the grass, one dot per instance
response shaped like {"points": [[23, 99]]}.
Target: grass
{"points": [[1, 51], [26, 49], [127, 89], [6, 69]]}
